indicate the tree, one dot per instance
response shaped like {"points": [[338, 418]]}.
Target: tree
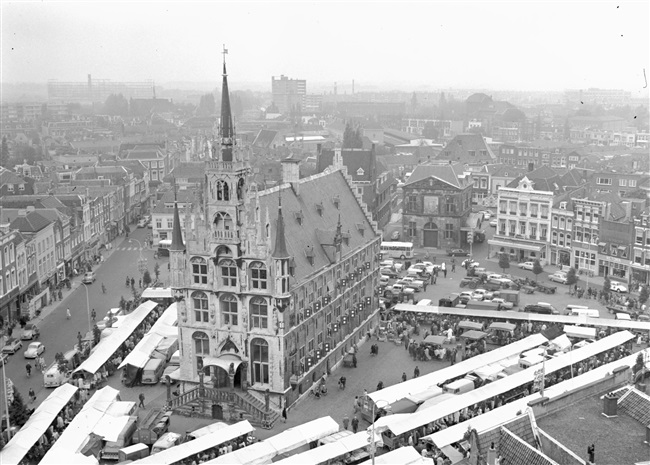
{"points": [[18, 413], [429, 131], [571, 276], [206, 106], [146, 279], [352, 138], [61, 362], [4, 154], [156, 270], [504, 261], [116, 105], [537, 269], [643, 295], [607, 286]]}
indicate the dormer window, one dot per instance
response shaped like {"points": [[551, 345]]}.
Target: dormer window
{"points": [[360, 172], [562, 205], [319, 209], [346, 238], [298, 216], [309, 253], [361, 228], [337, 201]]}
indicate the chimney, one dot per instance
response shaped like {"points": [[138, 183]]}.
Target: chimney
{"points": [[337, 161], [30, 208], [22, 212], [491, 455], [291, 173]]}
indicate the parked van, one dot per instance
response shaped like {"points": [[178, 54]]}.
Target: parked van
{"points": [[54, 378], [166, 348], [571, 307], [590, 312], [175, 358], [424, 302], [134, 452], [166, 441], [111, 450], [460, 386], [152, 371]]}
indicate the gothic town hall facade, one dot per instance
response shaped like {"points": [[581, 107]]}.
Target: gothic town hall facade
{"points": [[273, 286]]}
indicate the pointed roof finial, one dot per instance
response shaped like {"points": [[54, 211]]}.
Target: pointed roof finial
{"points": [[224, 53], [280, 250], [226, 128]]}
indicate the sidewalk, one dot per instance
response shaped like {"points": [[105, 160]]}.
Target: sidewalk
{"points": [[75, 283]]}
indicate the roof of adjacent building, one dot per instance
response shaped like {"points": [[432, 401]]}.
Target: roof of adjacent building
{"points": [[9, 177], [506, 171], [192, 171], [37, 201], [144, 153], [452, 174], [304, 236], [166, 202], [543, 178], [457, 150], [30, 222], [265, 138], [357, 161]]}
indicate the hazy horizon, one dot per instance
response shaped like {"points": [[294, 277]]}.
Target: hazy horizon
{"points": [[503, 46]]}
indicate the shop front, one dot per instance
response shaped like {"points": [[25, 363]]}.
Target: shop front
{"points": [[9, 305], [518, 251], [615, 268]]}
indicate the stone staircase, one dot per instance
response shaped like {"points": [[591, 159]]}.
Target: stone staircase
{"points": [[236, 406]]}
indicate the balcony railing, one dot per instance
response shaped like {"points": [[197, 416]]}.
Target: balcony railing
{"points": [[224, 234]]}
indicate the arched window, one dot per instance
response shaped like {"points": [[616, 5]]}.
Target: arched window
{"points": [[199, 270], [200, 305], [259, 313], [228, 304], [222, 220], [201, 347], [228, 272], [258, 275], [260, 360]]}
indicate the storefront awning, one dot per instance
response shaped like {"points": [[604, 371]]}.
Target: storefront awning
{"points": [[516, 245], [223, 361]]}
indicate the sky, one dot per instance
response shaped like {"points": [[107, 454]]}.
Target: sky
{"points": [[519, 45]]}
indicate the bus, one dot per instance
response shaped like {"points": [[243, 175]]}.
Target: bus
{"points": [[396, 250], [163, 247]]}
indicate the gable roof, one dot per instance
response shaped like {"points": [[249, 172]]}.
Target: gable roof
{"points": [[9, 177], [451, 174], [316, 190], [192, 171], [458, 150], [31, 222], [265, 138], [353, 159]]}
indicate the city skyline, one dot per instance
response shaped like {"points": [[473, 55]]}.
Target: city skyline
{"points": [[514, 46]]}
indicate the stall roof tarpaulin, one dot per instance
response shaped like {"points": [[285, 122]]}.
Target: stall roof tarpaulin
{"points": [[440, 340], [473, 334], [107, 347]]}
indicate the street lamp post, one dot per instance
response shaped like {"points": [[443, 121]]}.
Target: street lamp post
{"points": [[141, 260], [90, 328], [371, 440]]}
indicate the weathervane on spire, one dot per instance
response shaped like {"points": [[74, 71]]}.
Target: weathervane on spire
{"points": [[224, 53]]}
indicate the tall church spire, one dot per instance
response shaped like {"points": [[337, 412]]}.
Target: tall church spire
{"points": [[280, 250], [177, 235], [226, 128]]}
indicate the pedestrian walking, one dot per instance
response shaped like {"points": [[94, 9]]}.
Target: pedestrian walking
{"points": [[132, 282], [404, 376], [284, 413], [416, 372], [28, 368], [444, 269], [453, 265], [354, 360], [355, 424], [355, 406], [346, 421], [141, 397], [32, 395], [140, 283]]}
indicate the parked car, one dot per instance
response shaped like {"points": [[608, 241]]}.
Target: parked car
{"points": [[486, 214], [34, 349], [618, 287], [526, 265], [469, 263], [457, 253], [388, 262], [89, 278], [30, 331], [388, 272], [142, 223], [493, 223], [541, 307], [503, 303], [558, 277], [430, 267], [12, 346]]}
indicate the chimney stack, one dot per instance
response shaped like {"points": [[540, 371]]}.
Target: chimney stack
{"points": [[291, 173]]}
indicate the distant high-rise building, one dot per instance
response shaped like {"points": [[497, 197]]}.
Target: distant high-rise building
{"points": [[288, 94], [97, 90]]}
